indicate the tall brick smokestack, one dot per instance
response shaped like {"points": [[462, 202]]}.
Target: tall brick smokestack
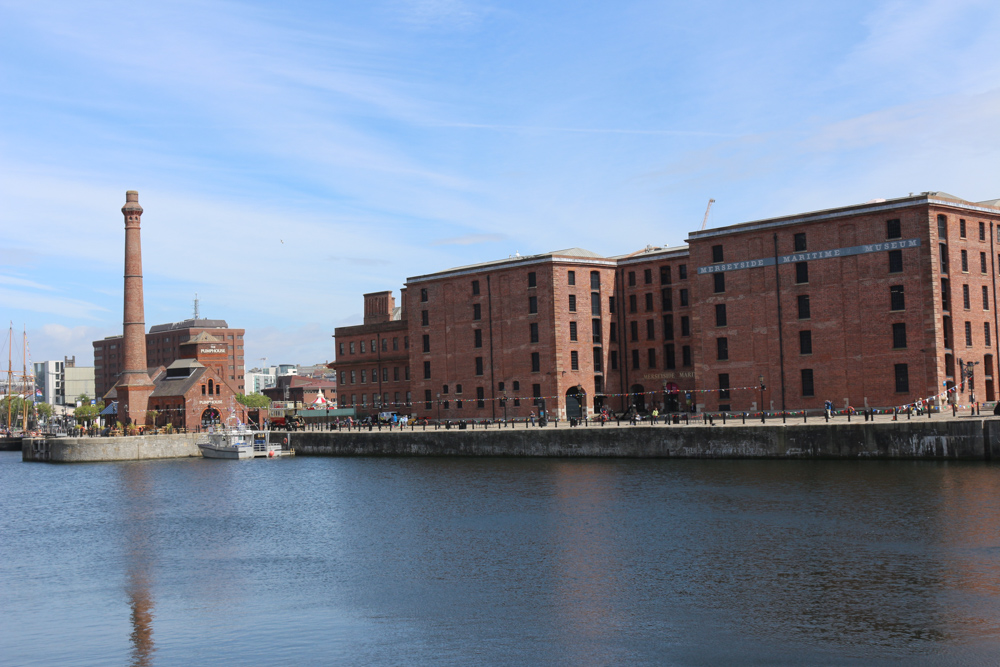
{"points": [[134, 386]]}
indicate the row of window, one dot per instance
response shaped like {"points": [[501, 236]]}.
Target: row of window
{"points": [[807, 386], [374, 375], [377, 400], [372, 347], [665, 277], [893, 230], [942, 221], [964, 257], [666, 300]]}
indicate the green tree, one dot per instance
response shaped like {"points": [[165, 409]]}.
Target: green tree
{"points": [[87, 413], [44, 410], [253, 400]]}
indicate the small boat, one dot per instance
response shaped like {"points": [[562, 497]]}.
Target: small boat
{"points": [[239, 443]]}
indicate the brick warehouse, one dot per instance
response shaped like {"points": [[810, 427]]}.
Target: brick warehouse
{"points": [[875, 304]]}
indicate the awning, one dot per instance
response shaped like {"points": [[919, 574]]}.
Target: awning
{"points": [[111, 409]]}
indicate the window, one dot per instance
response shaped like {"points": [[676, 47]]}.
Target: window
{"points": [[982, 262], [668, 327], [479, 365], [896, 261], [631, 278], [395, 375], [803, 302], [987, 338], [531, 279], [613, 360], [649, 301], [595, 304], [475, 288], [800, 242], [893, 230], [669, 358], [532, 304], [982, 231], [682, 272], [352, 348], [571, 277], [945, 294], [574, 360], [635, 359], [572, 331], [722, 349], [720, 315], [942, 221], [427, 370], [595, 280], [666, 299], [340, 349], [458, 388], [611, 305], [613, 332], [650, 330], [633, 328], [807, 382], [899, 335], [902, 379], [385, 345], [632, 305], [685, 325], [965, 261], [686, 356], [395, 343], [536, 362], [364, 377], [947, 331], [425, 319], [481, 396], [477, 311], [572, 303], [717, 254], [944, 258], [720, 282], [477, 337], [801, 272], [723, 386], [362, 347], [966, 302], [647, 276], [354, 377], [968, 334], [427, 343], [598, 360], [896, 300], [684, 298], [423, 295], [664, 275], [986, 298], [385, 374], [534, 332], [961, 228], [805, 342], [595, 327]]}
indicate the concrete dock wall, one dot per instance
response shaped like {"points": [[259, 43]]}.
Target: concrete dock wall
{"points": [[121, 448], [970, 439]]}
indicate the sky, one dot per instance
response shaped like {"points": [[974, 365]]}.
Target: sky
{"points": [[291, 156]]}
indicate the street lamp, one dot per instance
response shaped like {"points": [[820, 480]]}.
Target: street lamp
{"points": [[503, 402], [760, 383], [439, 407]]}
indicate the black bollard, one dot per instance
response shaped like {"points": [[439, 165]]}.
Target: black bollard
{"points": [[723, 418], [784, 417], [744, 418], [954, 409], [804, 416]]}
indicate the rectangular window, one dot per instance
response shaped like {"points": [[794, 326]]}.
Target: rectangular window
{"points": [[945, 294], [720, 282], [613, 332], [631, 278], [682, 271], [633, 328], [423, 295], [635, 359], [647, 276], [427, 343], [613, 360], [669, 357], [895, 261], [965, 261], [574, 360], [684, 298], [536, 362], [902, 379], [395, 343], [651, 357], [595, 280], [534, 332], [899, 335], [717, 256], [532, 304], [479, 365], [595, 304], [395, 374], [477, 337], [987, 338], [800, 242], [632, 304], [480, 397], [805, 342], [477, 311], [425, 319], [986, 298], [595, 328], [664, 275], [982, 263], [649, 301], [723, 386], [352, 348], [341, 349], [896, 298], [571, 277], [572, 331], [722, 349], [686, 356], [406, 373], [943, 258], [668, 327], [942, 221], [572, 303], [968, 334], [966, 301], [666, 299], [598, 360], [803, 303], [893, 230], [475, 288], [720, 315], [427, 370], [650, 330], [458, 388], [982, 231], [961, 228], [531, 279], [685, 325], [801, 272], [807, 382]]}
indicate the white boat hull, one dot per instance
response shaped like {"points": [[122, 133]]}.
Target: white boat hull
{"points": [[240, 443]]}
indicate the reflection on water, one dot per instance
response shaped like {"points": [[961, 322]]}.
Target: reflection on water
{"points": [[493, 561]]}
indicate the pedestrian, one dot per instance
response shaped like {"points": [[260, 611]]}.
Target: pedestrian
{"points": [[532, 417], [656, 413], [828, 406]]}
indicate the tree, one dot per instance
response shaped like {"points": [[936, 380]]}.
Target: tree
{"points": [[87, 413], [44, 410], [253, 400]]}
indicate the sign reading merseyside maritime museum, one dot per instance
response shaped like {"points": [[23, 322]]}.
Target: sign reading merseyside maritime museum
{"points": [[809, 256]]}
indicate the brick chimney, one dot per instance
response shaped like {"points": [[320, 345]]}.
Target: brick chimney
{"points": [[379, 307]]}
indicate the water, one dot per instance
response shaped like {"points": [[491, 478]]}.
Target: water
{"points": [[314, 561]]}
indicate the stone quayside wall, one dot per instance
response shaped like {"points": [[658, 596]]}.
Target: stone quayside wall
{"points": [[967, 439]]}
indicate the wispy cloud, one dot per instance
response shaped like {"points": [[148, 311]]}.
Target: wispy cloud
{"points": [[470, 239]]}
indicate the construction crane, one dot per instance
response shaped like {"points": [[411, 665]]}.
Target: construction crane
{"points": [[709, 208]]}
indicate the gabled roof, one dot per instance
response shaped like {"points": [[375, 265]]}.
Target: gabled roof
{"points": [[203, 337]]}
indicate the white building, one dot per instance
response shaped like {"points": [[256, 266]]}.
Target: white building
{"points": [[60, 382]]}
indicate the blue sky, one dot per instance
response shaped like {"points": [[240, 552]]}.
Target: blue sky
{"points": [[292, 156]]}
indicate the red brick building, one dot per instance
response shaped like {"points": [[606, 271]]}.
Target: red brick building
{"points": [[373, 358], [163, 347], [302, 389]]}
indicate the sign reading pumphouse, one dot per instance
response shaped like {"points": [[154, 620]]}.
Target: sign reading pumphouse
{"points": [[810, 256]]}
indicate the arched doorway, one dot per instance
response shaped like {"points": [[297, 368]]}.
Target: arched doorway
{"points": [[638, 396], [210, 417], [576, 400]]}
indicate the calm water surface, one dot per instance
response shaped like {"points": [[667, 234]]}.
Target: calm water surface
{"points": [[314, 561]]}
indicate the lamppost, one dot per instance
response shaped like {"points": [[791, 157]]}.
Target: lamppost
{"points": [[503, 402], [760, 383], [581, 398], [439, 407]]}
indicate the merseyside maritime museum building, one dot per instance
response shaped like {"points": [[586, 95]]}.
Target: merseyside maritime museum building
{"points": [[881, 304]]}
